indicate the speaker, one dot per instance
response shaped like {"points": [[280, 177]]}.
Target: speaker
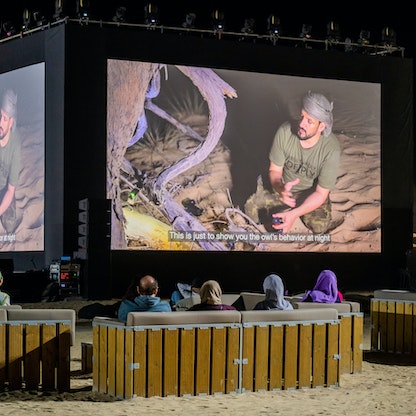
{"points": [[96, 276]]}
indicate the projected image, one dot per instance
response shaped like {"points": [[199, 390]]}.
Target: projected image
{"points": [[225, 160], [22, 138]]}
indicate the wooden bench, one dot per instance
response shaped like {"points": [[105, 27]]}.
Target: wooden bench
{"points": [[351, 332], [393, 321], [211, 352], [35, 349], [290, 349]]}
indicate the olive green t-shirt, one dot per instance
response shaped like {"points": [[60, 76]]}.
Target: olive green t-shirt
{"points": [[317, 165], [10, 163]]}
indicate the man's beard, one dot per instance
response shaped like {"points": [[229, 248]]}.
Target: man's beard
{"points": [[300, 137], [307, 137]]}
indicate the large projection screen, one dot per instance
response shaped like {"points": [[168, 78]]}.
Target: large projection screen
{"points": [[188, 158], [28, 83]]}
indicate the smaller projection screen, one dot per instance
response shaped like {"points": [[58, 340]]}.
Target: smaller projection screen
{"points": [[22, 224], [188, 159]]}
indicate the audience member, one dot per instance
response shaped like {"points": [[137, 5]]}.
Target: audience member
{"points": [[274, 290], [4, 297], [211, 298], [325, 289], [145, 301], [110, 310], [185, 291]]}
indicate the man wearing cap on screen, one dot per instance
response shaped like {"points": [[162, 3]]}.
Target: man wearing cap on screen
{"points": [[304, 167], [9, 160]]}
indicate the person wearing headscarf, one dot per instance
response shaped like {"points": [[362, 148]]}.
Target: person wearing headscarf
{"points": [[303, 167], [274, 290], [325, 289], [10, 160], [211, 298]]}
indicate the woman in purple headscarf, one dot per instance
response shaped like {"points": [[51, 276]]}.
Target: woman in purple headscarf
{"points": [[325, 289]]}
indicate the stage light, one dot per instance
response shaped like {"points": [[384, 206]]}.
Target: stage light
{"points": [[364, 38], [26, 20], [8, 29], [306, 32], [248, 27], [59, 10], [305, 35], [189, 22], [388, 36], [151, 15], [218, 21], [348, 46], [83, 9], [273, 25], [120, 16], [333, 32], [38, 19]]}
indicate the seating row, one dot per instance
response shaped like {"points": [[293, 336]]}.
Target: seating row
{"points": [[215, 352], [349, 313], [35, 348]]}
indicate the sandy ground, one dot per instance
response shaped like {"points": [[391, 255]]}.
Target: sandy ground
{"points": [[385, 386]]}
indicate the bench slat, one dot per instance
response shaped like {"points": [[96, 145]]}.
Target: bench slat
{"points": [[140, 373], [305, 356], [332, 359], [276, 358], [32, 357], [171, 359], [203, 361], [233, 352], [187, 362]]}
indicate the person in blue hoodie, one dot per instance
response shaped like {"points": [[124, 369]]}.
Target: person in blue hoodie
{"points": [[145, 301]]}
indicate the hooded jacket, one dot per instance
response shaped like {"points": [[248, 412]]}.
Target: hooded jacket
{"points": [[145, 303]]}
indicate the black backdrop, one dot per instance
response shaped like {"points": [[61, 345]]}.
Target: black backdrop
{"points": [[83, 50]]}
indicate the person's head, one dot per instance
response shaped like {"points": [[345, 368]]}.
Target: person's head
{"points": [[148, 285], [196, 285], [273, 287], [327, 283], [316, 116], [8, 113], [211, 293]]}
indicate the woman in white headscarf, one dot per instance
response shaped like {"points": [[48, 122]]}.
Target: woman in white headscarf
{"points": [[274, 290]]}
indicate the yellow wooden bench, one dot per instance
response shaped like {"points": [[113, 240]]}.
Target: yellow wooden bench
{"points": [[393, 321], [35, 355], [213, 352], [35, 348], [290, 349], [351, 332]]}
